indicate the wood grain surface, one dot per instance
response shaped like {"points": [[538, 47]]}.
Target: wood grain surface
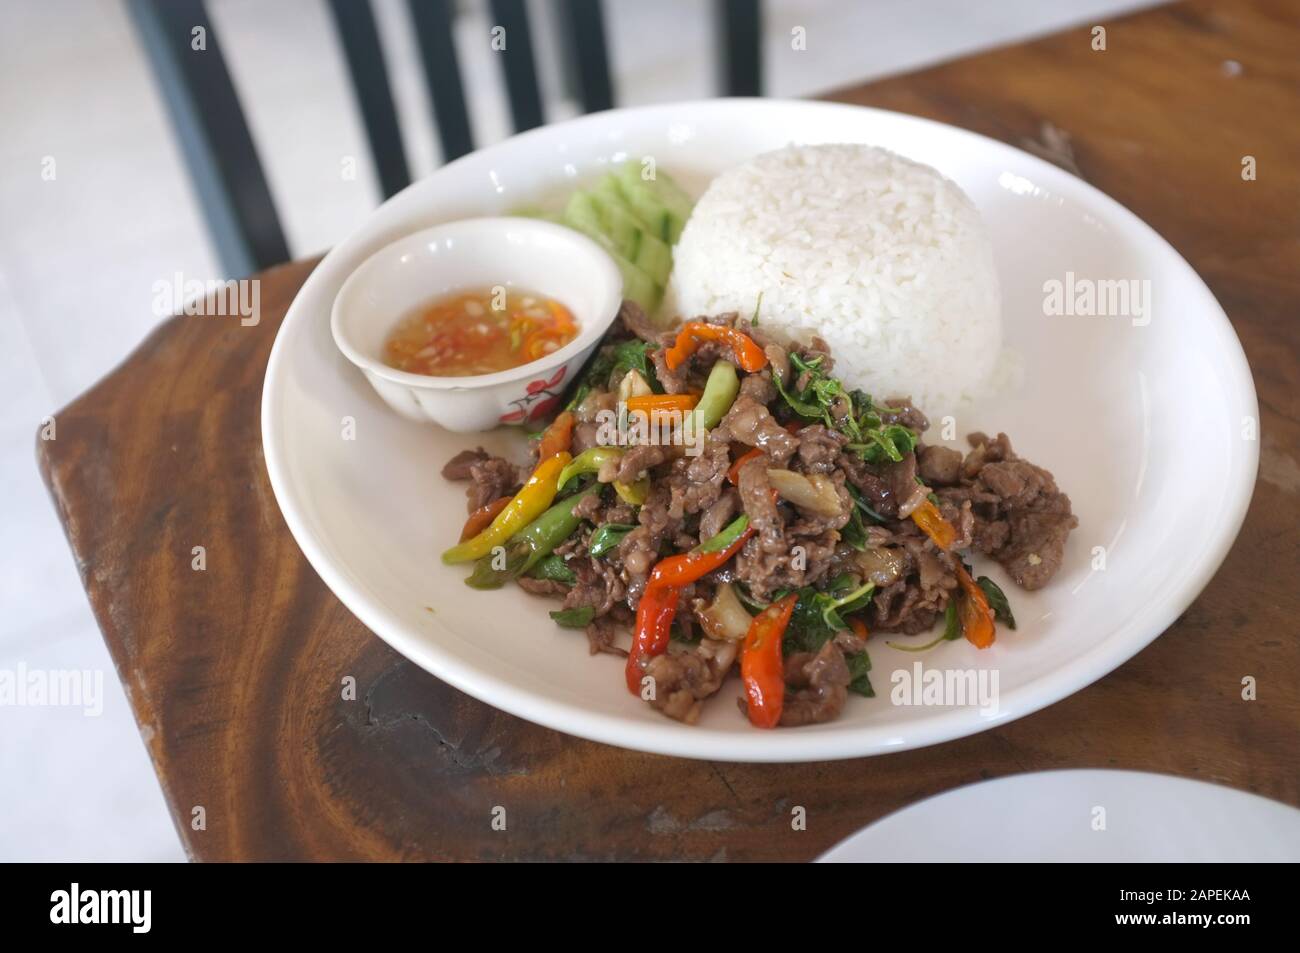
{"points": [[233, 673]]}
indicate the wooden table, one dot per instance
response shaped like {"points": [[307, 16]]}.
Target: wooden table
{"points": [[233, 672]]}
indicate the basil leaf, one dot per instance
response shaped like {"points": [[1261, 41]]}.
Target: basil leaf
{"points": [[634, 355], [859, 683], [951, 622], [607, 537], [997, 601], [554, 567], [576, 618]]}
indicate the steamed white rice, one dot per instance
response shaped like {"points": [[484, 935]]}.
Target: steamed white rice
{"points": [[882, 257]]}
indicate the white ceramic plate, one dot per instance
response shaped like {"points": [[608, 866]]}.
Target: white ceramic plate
{"points": [[1110, 816], [1143, 427]]}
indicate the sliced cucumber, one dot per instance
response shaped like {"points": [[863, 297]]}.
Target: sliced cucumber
{"points": [[581, 214], [660, 202], [646, 251]]}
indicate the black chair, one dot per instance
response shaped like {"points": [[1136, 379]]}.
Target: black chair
{"points": [[219, 149]]}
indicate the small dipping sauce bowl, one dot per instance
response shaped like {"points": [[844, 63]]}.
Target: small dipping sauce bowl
{"points": [[515, 253]]}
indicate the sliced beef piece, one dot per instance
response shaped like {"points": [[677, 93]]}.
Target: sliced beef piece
{"points": [[876, 491], [764, 572], [758, 387], [542, 587], [759, 503], [718, 515], [598, 585], [636, 321], [819, 448], [601, 633], [901, 477], [589, 508], [1021, 518], [902, 412], [588, 418], [817, 686], [684, 677], [905, 607], [778, 360], [750, 423], [697, 481], [637, 460], [457, 468], [491, 479], [673, 381], [939, 466], [985, 451], [639, 549]]}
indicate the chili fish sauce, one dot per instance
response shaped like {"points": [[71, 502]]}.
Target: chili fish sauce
{"points": [[479, 331]]}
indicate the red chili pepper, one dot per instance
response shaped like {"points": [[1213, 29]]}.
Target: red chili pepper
{"points": [[481, 517], [762, 665], [743, 347], [658, 606], [654, 620]]}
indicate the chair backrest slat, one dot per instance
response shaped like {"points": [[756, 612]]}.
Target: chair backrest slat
{"points": [[177, 37], [433, 32], [584, 26], [740, 46], [517, 60], [359, 36]]}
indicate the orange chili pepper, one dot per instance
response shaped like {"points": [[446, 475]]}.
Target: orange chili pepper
{"points": [[734, 473], [482, 516], [743, 347], [859, 628], [974, 611], [652, 403], [762, 666], [932, 523], [557, 437]]}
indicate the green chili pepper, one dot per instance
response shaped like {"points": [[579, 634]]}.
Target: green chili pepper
{"points": [[720, 392], [726, 536], [591, 461], [530, 545]]}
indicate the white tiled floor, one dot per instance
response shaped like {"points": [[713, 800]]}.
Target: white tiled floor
{"points": [[79, 253]]}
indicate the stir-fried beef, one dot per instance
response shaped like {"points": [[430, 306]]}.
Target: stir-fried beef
{"points": [[490, 478], [719, 514], [542, 587], [457, 468], [899, 410], [598, 585], [1021, 519], [601, 635], [819, 448], [638, 460], [831, 515], [684, 678], [634, 320], [759, 502], [818, 686], [939, 466], [752, 424]]}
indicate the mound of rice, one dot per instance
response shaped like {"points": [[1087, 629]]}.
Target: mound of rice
{"points": [[882, 257]]}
